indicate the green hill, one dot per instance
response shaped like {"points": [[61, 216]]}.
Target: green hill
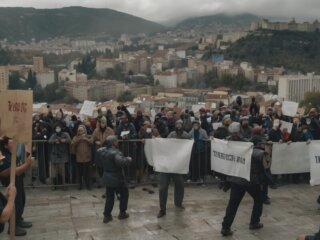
{"points": [[28, 23], [241, 20], [292, 50]]}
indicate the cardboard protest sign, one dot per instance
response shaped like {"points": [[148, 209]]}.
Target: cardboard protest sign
{"points": [[16, 116]]}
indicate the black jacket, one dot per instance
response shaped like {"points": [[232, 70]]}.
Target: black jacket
{"points": [[112, 161]]}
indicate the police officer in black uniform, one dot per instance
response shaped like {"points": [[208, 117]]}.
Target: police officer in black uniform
{"points": [[112, 161], [240, 186]]}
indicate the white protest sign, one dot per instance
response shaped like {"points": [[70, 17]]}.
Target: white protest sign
{"points": [[197, 107], [131, 109], [290, 158], [213, 105], [289, 108], [286, 125], [88, 108], [148, 151], [231, 158], [169, 155], [314, 153]]}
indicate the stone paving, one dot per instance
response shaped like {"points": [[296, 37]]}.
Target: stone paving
{"points": [[74, 214]]}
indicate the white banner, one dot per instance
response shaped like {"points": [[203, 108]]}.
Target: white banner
{"points": [[231, 158], [87, 108], [290, 158], [289, 108], [314, 153], [169, 155]]}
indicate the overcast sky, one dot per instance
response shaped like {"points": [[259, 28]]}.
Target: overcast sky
{"points": [[164, 10]]}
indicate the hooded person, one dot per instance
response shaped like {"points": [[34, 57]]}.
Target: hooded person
{"points": [[81, 147], [165, 178], [112, 162], [222, 132], [245, 130], [179, 131]]}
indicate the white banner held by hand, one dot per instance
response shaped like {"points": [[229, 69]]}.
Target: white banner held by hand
{"points": [[314, 153], [169, 155], [231, 158], [290, 158]]}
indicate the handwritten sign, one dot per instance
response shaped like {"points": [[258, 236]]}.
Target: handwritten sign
{"points": [[16, 116], [88, 108]]}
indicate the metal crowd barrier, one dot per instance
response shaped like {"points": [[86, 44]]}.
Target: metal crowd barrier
{"points": [[138, 173]]}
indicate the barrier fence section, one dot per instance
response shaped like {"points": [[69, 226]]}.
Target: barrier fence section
{"points": [[139, 172]]}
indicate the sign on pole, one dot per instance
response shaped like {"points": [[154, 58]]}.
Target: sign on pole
{"points": [[16, 123]]}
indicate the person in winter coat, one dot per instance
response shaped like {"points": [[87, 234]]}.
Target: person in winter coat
{"points": [[59, 154], [81, 147], [112, 161], [240, 186], [165, 178]]}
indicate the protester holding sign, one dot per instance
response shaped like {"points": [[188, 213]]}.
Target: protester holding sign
{"points": [[6, 202], [6, 148], [165, 178], [239, 186]]}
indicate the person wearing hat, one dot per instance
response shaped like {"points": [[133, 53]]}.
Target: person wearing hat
{"points": [[245, 129], [240, 186], [223, 132], [165, 178], [112, 161], [6, 201], [198, 161]]}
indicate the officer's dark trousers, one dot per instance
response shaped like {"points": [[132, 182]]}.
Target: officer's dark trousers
{"points": [[110, 193], [236, 195], [164, 181], [20, 200]]}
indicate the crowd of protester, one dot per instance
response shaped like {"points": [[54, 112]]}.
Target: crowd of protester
{"points": [[65, 147]]}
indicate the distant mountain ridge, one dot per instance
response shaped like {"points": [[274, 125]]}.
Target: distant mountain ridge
{"points": [[28, 23], [240, 20]]}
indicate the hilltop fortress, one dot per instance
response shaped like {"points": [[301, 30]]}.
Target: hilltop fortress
{"points": [[265, 24]]}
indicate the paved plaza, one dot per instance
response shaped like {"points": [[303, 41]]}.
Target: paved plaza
{"points": [[74, 214]]}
